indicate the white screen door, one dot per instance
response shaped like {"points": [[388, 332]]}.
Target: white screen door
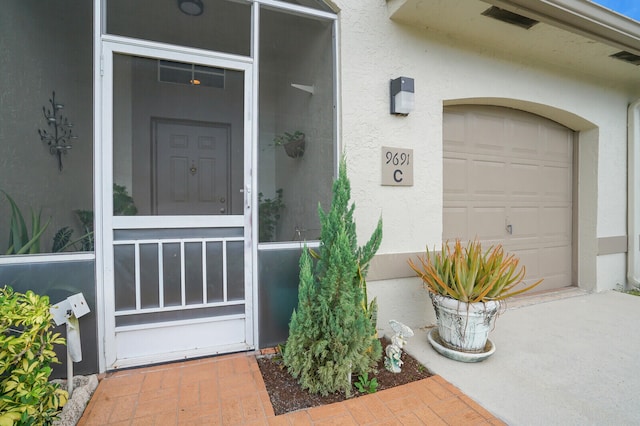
{"points": [[176, 172]]}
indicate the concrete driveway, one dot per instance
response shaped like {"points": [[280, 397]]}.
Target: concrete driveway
{"points": [[568, 358]]}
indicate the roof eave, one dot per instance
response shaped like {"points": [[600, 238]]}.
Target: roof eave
{"points": [[581, 17]]}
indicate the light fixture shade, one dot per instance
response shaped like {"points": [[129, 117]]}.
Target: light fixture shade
{"points": [[402, 95], [191, 7]]}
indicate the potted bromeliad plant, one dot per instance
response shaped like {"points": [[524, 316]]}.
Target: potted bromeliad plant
{"points": [[293, 143], [467, 287]]}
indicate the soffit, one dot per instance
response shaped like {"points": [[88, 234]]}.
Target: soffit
{"points": [[572, 34]]}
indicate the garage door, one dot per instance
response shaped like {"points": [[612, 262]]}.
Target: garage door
{"points": [[508, 179]]}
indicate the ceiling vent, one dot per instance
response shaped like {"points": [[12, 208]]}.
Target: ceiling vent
{"points": [[629, 57], [510, 17]]}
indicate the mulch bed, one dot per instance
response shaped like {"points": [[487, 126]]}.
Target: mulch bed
{"points": [[287, 395]]}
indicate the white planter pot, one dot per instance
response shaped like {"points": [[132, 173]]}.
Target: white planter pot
{"points": [[464, 326]]}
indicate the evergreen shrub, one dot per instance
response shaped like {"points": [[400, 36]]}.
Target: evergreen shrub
{"points": [[332, 332]]}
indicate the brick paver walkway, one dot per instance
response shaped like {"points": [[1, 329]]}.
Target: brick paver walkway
{"points": [[229, 390]]}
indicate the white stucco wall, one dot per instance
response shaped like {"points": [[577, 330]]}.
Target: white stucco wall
{"points": [[374, 49]]}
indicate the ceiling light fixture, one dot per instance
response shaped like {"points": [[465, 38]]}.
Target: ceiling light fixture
{"points": [[191, 7]]}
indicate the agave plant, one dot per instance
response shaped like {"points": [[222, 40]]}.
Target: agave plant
{"points": [[470, 275], [19, 240]]}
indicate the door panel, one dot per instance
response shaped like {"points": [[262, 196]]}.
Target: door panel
{"points": [[197, 158], [508, 180], [156, 340]]}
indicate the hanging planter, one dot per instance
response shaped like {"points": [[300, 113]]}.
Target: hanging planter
{"points": [[295, 149], [293, 143]]}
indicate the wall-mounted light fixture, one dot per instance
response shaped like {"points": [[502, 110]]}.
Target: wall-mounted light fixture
{"points": [[402, 96], [191, 7]]}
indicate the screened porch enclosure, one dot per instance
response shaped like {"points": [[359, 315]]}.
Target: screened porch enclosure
{"points": [[174, 155]]}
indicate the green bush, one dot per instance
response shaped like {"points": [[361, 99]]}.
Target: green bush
{"points": [[26, 351], [332, 333], [268, 216]]}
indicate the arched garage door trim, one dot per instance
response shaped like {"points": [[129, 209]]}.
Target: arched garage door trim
{"points": [[564, 117]]}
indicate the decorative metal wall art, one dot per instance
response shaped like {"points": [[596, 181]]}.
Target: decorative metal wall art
{"points": [[59, 134]]}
